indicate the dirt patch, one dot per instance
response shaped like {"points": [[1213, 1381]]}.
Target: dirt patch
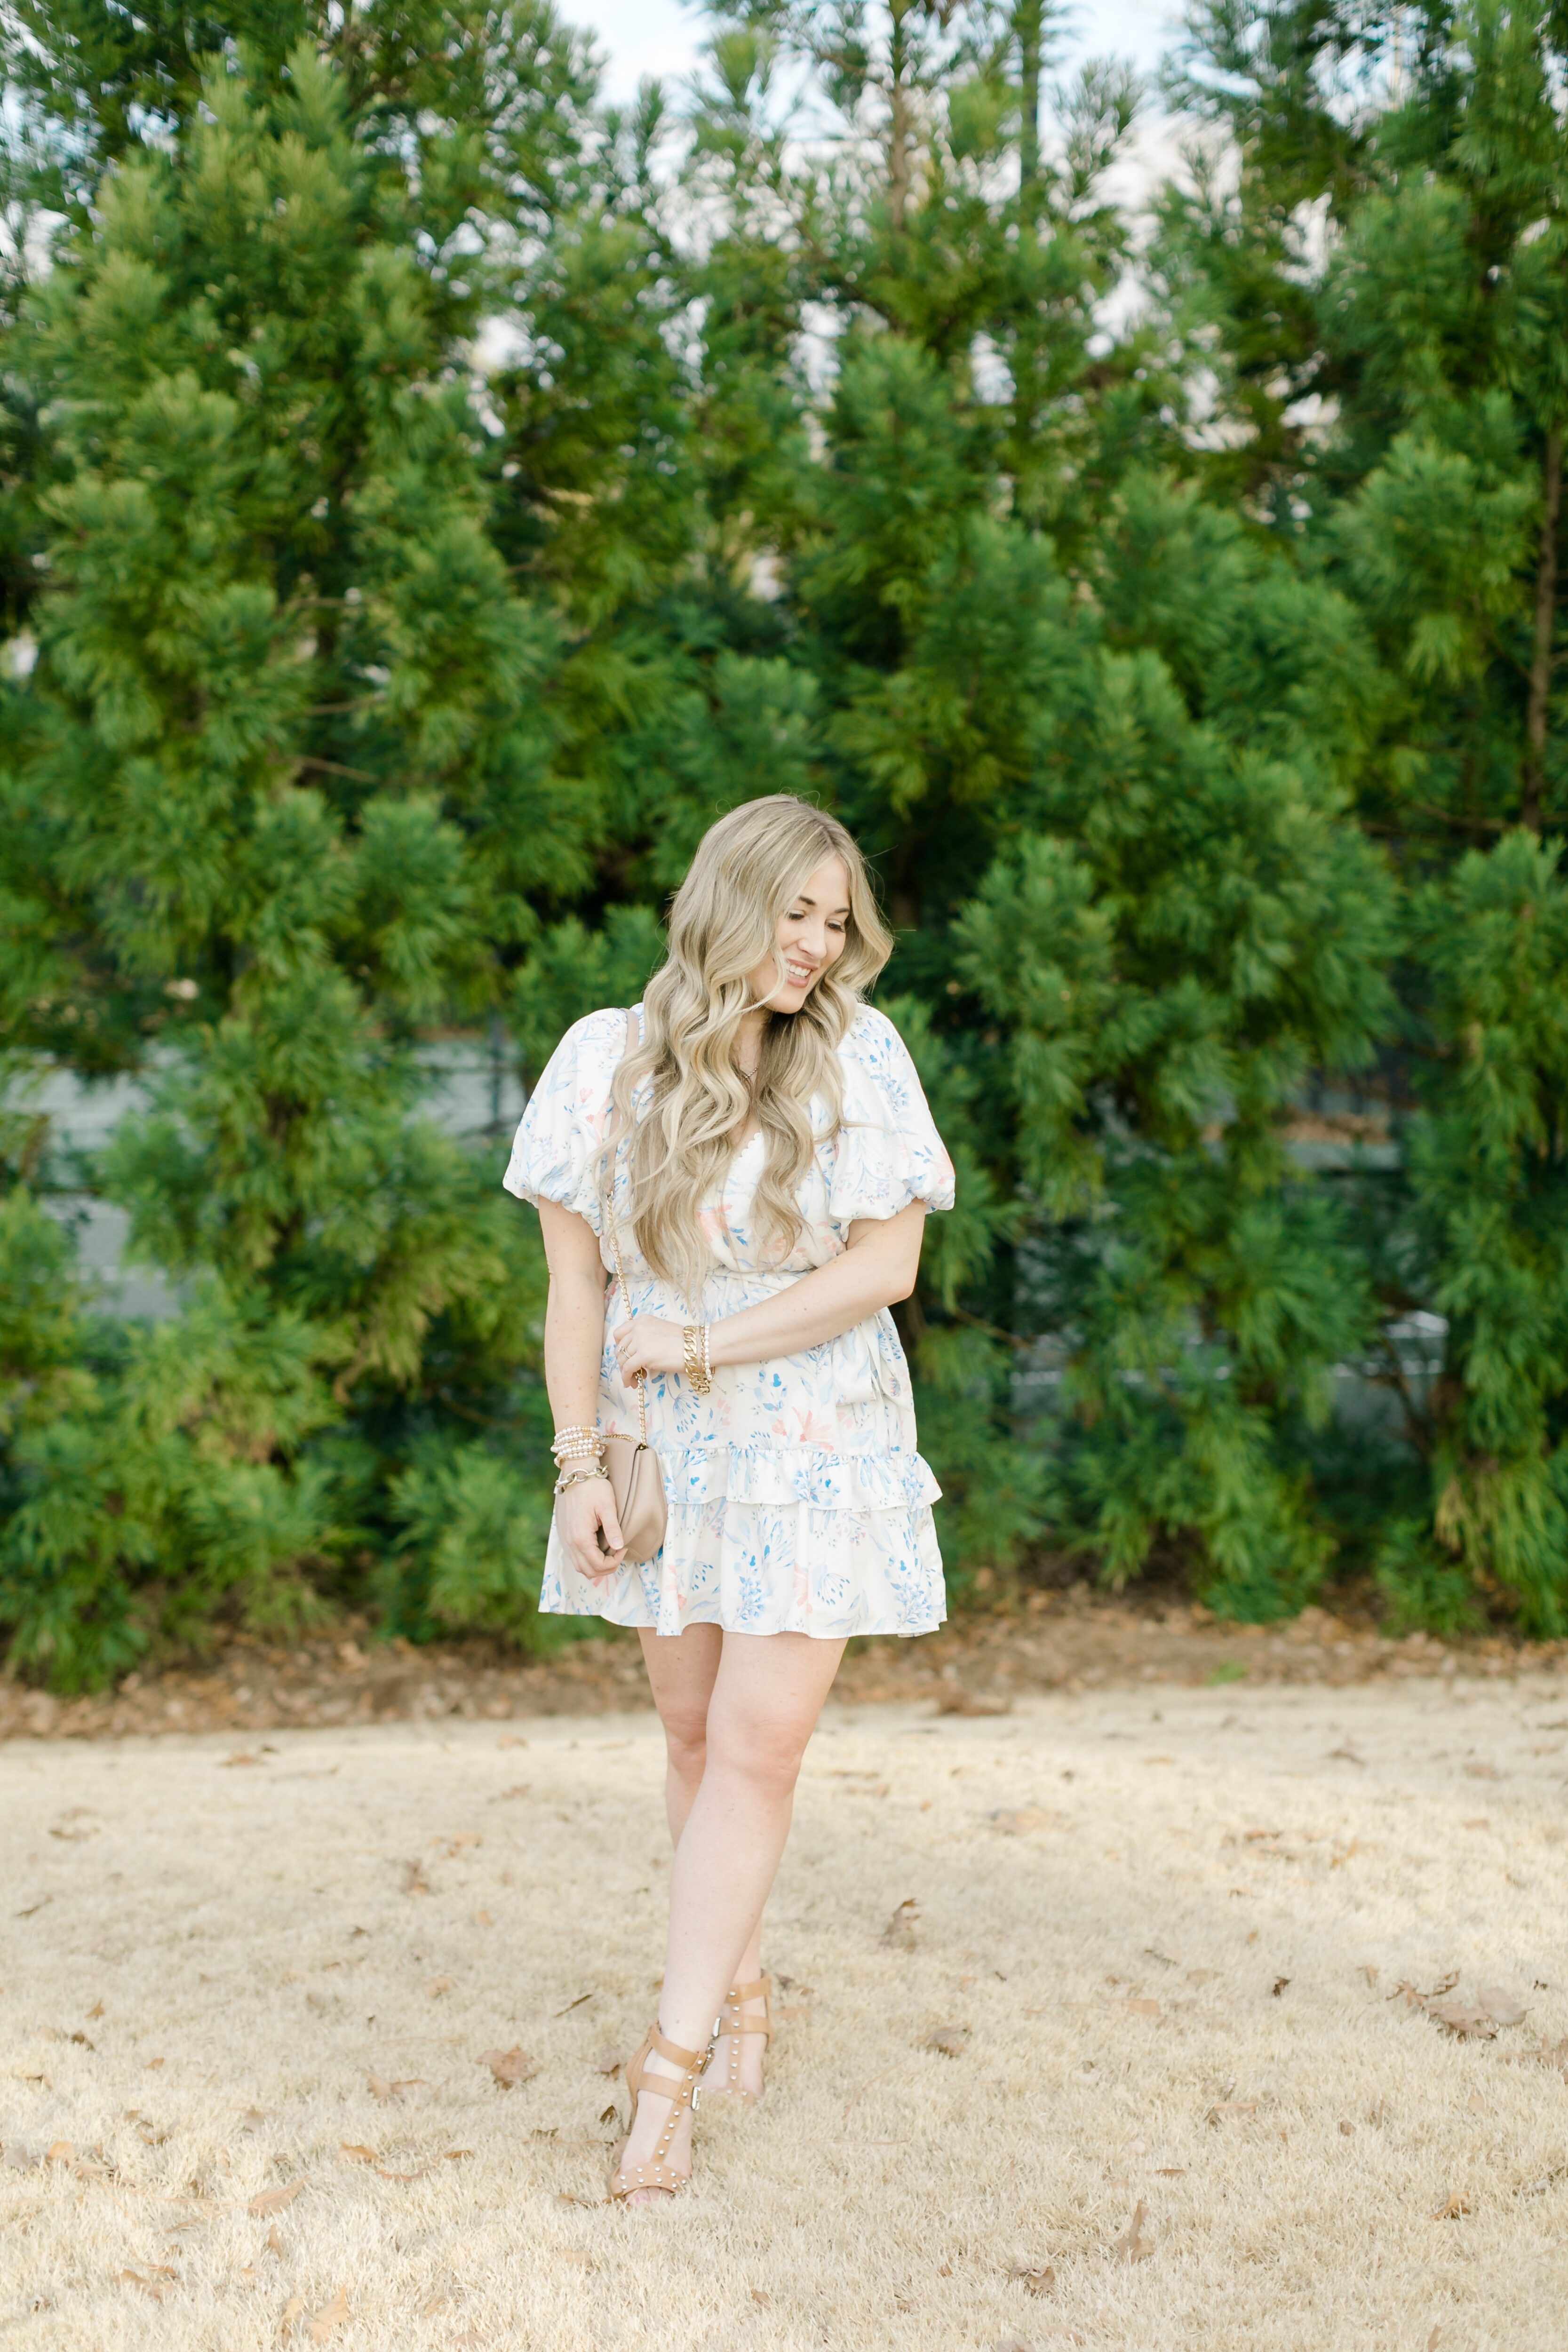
{"points": [[1073, 1640]]}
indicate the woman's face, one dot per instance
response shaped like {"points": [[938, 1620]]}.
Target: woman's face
{"points": [[809, 936]]}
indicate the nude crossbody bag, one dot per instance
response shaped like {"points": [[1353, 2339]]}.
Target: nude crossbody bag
{"points": [[631, 1465]]}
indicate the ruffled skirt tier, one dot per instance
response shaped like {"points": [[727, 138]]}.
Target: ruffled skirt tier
{"points": [[777, 1539]]}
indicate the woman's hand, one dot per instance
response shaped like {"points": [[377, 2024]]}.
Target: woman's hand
{"points": [[587, 1506], [646, 1343]]}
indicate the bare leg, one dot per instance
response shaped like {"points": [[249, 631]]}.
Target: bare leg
{"points": [[681, 1672], [765, 1701]]}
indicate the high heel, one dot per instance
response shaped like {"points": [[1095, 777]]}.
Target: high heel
{"points": [[681, 2093], [734, 2022]]}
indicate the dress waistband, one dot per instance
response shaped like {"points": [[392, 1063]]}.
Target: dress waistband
{"points": [[767, 1277]]}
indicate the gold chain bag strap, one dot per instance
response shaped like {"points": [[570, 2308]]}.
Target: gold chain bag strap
{"points": [[635, 1479]]}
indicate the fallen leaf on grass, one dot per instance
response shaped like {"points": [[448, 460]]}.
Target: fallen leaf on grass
{"points": [[1013, 1820], [331, 2315], [156, 2282], [291, 2310], [380, 2088], [243, 1757], [759, 2294], [952, 2041], [61, 2151], [1144, 2008], [1133, 2247], [509, 2067], [437, 1986], [1202, 1976], [273, 2201], [899, 1935], [1036, 2278], [1347, 2127], [570, 2197], [356, 2151], [1453, 2205], [1346, 1756], [1012, 2344], [413, 1879], [1457, 2017], [610, 2061], [1501, 2004], [1484, 1772], [17, 2158], [575, 2255], [1223, 2108], [1279, 1986], [273, 2242], [511, 1739]]}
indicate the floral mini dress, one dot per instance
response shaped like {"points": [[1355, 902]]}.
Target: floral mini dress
{"points": [[797, 1503]]}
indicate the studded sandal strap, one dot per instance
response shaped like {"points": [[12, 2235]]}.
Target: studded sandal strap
{"points": [[680, 2091], [734, 2022], [685, 2058], [647, 2176]]}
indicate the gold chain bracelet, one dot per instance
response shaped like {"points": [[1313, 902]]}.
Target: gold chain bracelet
{"points": [[694, 1349]]}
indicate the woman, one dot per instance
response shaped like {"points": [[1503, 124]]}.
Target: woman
{"points": [[754, 1139]]}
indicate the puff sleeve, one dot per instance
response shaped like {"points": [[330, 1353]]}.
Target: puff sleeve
{"points": [[556, 1146], [888, 1152]]}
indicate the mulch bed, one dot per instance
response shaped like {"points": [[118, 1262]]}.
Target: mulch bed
{"points": [[1057, 1639]]}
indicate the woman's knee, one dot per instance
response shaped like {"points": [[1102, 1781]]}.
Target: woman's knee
{"points": [[685, 1741], [766, 1752]]}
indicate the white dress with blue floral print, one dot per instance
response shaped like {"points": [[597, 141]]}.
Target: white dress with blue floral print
{"points": [[798, 1501]]}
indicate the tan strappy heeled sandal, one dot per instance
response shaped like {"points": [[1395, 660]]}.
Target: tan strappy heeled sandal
{"points": [[734, 2022], [681, 2093]]}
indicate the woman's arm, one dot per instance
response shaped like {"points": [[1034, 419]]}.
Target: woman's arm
{"points": [[573, 1342], [879, 1266]]}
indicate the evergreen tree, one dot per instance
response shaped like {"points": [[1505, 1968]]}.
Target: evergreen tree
{"points": [[274, 794], [1074, 713], [1387, 290]]}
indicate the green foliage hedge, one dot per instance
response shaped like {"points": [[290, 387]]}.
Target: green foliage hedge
{"points": [[429, 496]]}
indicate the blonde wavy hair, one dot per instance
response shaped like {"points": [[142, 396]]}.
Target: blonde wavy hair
{"points": [[685, 1127]]}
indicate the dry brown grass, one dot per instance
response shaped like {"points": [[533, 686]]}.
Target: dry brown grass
{"points": [[1157, 1933]]}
